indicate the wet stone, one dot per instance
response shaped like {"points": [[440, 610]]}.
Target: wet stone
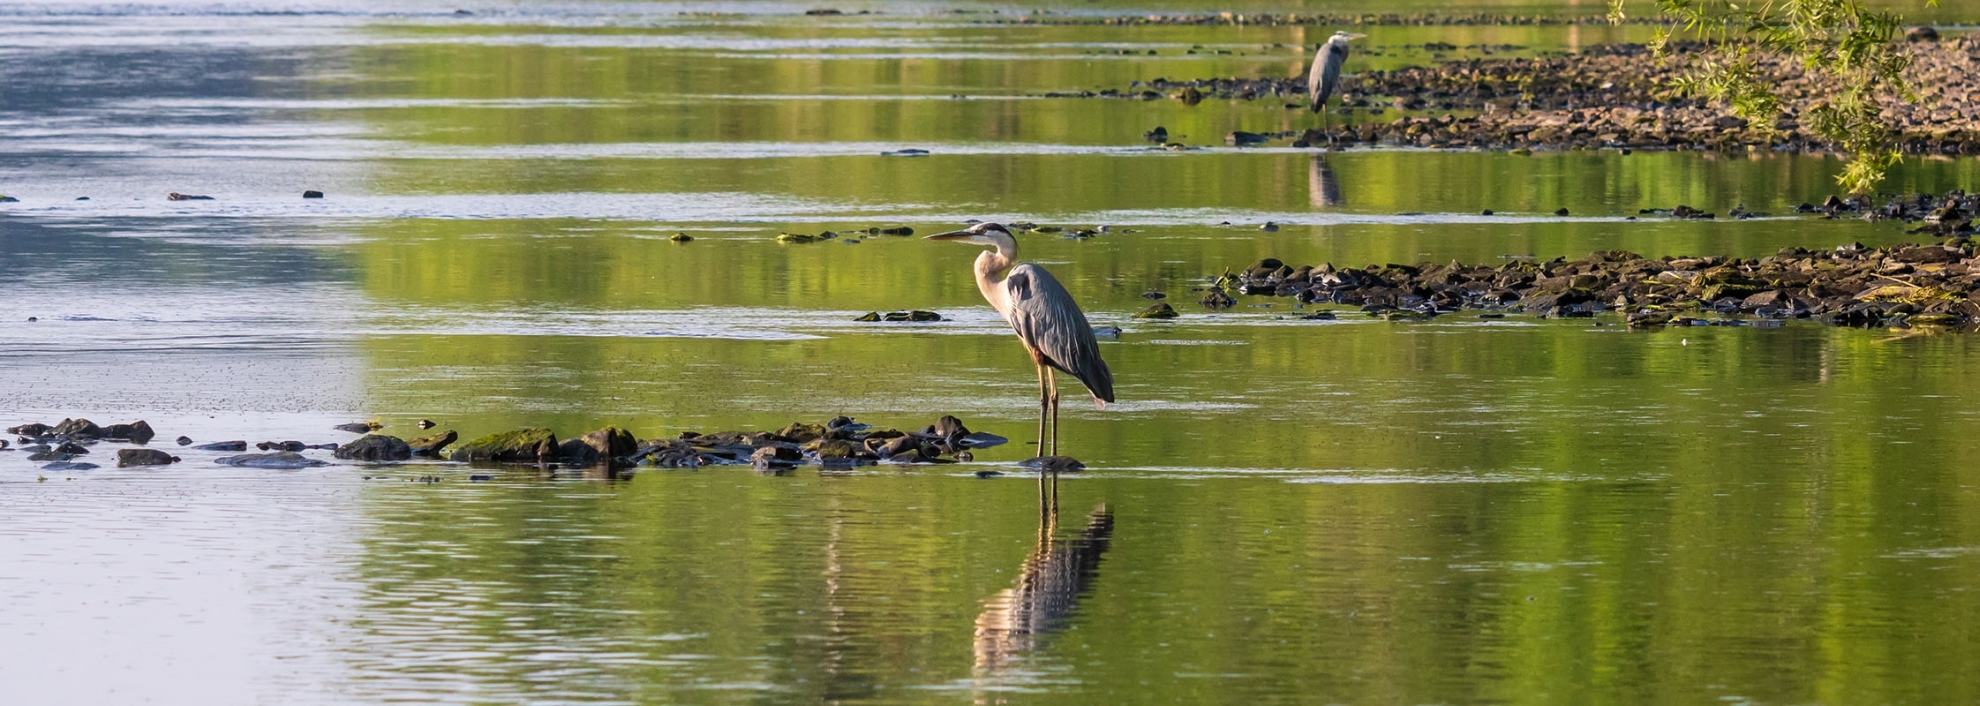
{"points": [[375, 448], [144, 457], [222, 446], [279, 460]]}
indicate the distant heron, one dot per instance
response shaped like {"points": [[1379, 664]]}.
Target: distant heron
{"points": [[1047, 321], [1326, 71]]}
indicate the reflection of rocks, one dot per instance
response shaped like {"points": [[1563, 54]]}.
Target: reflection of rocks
{"points": [[1852, 285]]}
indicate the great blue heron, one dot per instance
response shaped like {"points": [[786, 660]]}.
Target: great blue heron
{"points": [[1051, 326], [1326, 72]]}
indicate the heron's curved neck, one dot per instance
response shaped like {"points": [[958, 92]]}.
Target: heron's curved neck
{"points": [[991, 268]]}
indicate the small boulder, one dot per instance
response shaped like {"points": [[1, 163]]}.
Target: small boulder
{"points": [[312, 194], [279, 460], [611, 442], [576, 452], [432, 444], [1161, 310], [144, 457], [185, 441], [70, 466], [290, 445], [78, 429], [520, 445], [1053, 464], [375, 448], [137, 432], [222, 446]]}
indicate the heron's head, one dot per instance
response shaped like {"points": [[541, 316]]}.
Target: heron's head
{"points": [[992, 234]]}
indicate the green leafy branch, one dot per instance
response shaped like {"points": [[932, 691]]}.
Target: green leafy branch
{"points": [[1851, 51]]}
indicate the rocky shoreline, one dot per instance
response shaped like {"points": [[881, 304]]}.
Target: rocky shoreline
{"points": [[1902, 286], [838, 443], [1612, 97], [1315, 19]]}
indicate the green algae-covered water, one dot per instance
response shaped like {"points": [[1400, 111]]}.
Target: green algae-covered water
{"points": [[1277, 511]]}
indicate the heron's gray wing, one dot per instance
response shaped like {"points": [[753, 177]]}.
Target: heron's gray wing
{"points": [[1326, 73], [1045, 317]]}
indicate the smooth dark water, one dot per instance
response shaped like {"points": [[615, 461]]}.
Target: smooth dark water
{"points": [[1278, 511]]}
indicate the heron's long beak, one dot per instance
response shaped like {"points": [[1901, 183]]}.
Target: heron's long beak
{"points": [[1357, 36], [951, 235]]}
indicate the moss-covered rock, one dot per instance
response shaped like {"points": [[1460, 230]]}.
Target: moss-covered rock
{"points": [[520, 445]]}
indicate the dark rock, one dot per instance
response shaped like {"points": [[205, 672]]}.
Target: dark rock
{"points": [[185, 441], [222, 446], [1160, 310], [1159, 134], [980, 440], [1241, 138], [312, 194], [357, 427], [1053, 464], [50, 456], [520, 445], [989, 474], [1921, 33], [77, 429], [949, 427], [70, 466], [137, 432], [611, 442], [375, 448], [176, 196], [575, 451], [290, 445], [432, 444], [425, 424], [70, 447], [681, 238], [799, 432], [31, 430], [279, 460], [1561, 212], [144, 457]]}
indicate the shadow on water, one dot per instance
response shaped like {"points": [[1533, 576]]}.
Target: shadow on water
{"points": [[1057, 573]]}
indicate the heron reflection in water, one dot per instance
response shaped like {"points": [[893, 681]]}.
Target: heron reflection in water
{"points": [[1322, 187], [1048, 588]]}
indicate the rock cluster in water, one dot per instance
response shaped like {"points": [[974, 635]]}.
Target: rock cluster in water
{"points": [[838, 442], [1613, 96], [1320, 19], [1901, 286]]}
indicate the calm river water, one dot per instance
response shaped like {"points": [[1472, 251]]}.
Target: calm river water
{"points": [[1278, 510]]}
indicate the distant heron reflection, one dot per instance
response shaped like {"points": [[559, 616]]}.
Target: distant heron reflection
{"points": [[1322, 187], [1017, 620]]}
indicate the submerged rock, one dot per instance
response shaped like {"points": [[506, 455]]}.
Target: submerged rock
{"points": [[290, 445], [144, 457], [279, 460], [520, 445], [359, 427], [222, 446], [176, 196], [70, 466], [1160, 310], [1053, 464], [375, 448]]}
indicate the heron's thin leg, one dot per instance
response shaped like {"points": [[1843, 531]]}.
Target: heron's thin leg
{"points": [[1052, 383], [1044, 407]]}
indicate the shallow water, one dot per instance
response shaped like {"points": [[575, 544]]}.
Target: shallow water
{"points": [[1278, 510]]}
